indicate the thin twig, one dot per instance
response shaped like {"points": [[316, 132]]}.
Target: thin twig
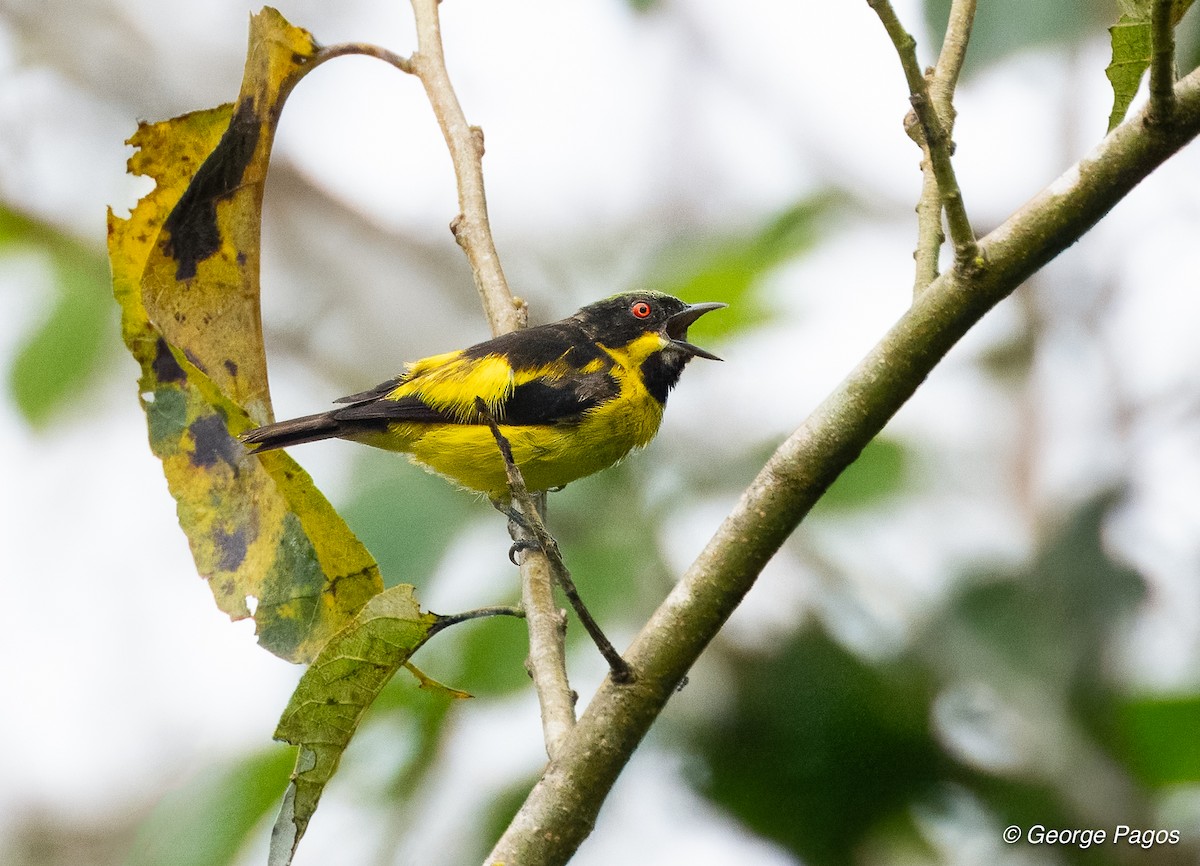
{"points": [[930, 236], [951, 58], [966, 248], [328, 52], [528, 518], [465, 142], [942, 83], [447, 620], [1162, 62]]}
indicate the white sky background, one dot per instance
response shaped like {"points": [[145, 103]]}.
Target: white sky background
{"points": [[607, 135]]}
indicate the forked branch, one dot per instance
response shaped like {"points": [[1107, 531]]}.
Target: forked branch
{"points": [[935, 138]]}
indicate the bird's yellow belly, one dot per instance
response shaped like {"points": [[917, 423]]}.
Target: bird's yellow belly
{"points": [[547, 455]]}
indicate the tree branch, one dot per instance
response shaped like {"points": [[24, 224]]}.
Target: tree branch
{"points": [[465, 142], [1162, 62], [561, 809], [936, 138], [547, 653]]}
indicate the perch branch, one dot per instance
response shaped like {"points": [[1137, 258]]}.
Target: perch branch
{"points": [[472, 230], [562, 807], [528, 519]]}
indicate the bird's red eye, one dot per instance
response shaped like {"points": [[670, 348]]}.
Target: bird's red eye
{"points": [[640, 309]]}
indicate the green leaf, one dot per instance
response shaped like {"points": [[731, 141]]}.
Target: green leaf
{"points": [[60, 357], [1132, 47], [208, 821], [332, 697], [185, 273], [1161, 738]]}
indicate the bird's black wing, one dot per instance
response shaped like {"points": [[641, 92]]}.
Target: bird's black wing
{"points": [[553, 400], [560, 395], [545, 401]]}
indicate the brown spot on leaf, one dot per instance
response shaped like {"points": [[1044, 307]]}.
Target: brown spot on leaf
{"points": [[166, 368], [232, 547], [192, 226], [213, 443]]}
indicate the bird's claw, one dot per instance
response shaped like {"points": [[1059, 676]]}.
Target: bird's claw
{"points": [[518, 547]]}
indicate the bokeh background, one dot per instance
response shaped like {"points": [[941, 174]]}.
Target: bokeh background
{"points": [[993, 618]]}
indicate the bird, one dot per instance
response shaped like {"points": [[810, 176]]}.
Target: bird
{"points": [[571, 397]]}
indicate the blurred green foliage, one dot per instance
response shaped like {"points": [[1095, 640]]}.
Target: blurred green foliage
{"points": [[60, 357], [730, 267], [406, 517], [1002, 29], [880, 471], [1157, 739], [207, 821], [825, 753], [820, 747]]}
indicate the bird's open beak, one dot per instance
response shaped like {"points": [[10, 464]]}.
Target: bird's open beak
{"points": [[677, 326]]}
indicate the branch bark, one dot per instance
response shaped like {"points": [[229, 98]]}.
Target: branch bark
{"points": [[561, 809], [465, 142]]}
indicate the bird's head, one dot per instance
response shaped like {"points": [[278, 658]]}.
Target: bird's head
{"points": [[647, 332], [652, 321]]}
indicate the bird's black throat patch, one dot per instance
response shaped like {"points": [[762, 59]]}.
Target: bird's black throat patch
{"points": [[661, 371]]}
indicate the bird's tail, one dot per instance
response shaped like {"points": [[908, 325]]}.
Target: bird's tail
{"points": [[309, 428]]}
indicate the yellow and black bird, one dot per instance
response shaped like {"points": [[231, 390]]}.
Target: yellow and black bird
{"points": [[572, 397]]}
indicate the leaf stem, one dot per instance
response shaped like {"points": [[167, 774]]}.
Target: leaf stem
{"points": [[365, 49], [445, 621]]}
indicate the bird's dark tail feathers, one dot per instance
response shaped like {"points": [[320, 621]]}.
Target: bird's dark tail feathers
{"points": [[297, 431]]}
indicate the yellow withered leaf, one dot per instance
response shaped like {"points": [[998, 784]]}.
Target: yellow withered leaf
{"points": [[185, 271]]}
